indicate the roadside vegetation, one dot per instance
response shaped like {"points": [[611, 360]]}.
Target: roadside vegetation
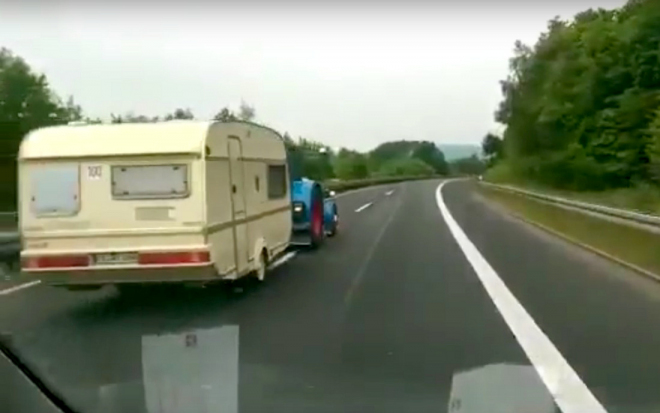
{"points": [[582, 110], [629, 244], [28, 102]]}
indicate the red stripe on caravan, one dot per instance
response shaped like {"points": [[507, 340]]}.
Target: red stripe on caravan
{"points": [[174, 258], [56, 261]]}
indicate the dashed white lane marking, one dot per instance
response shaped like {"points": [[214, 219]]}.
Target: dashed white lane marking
{"points": [[357, 280], [388, 193], [566, 387], [281, 260], [363, 207], [19, 287]]}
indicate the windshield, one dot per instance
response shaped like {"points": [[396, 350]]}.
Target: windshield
{"points": [[330, 208], [218, 366]]}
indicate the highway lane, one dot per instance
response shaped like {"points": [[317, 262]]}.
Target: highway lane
{"points": [[380, 319], [602, 317]]}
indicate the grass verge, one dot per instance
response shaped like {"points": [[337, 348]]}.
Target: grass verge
{"points": [[630, 245]]}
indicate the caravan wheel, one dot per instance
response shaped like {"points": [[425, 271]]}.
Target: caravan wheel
{"points": [[262, 267]]}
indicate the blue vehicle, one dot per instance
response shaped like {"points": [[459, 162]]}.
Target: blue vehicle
{"points": [[315, 215]]}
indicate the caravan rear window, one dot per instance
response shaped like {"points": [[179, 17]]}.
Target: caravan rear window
{"points": [[276, 181], [150, 181], [55, 190]]}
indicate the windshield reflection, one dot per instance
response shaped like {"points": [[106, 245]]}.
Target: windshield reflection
{"points": [[111, 354], [198, 371], [498, 388]]}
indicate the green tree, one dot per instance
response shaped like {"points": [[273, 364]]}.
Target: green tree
{"points": [[467, 166], [288, 142], [425, 151], [131, 117], [578, 105], [183, 114], [72, 111], [26, 103], [389, 151], [429, 153], [316, 159], [492, 145], [246, 112], [405, 167], [225, 115], [350, 165]]}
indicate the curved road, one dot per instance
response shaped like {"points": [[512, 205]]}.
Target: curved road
{"points": [[416, 288]]}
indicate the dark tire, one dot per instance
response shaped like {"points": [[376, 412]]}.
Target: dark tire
{"points": [[315, 240], [334, 226], [317, 230], [262, 271]]}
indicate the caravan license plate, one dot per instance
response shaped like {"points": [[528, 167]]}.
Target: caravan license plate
{"points": [[116, 258]]}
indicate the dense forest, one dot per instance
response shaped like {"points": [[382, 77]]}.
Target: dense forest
{"points": [[27, 102], [581, 107]]}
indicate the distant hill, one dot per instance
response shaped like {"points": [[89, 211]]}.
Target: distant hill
{"points": [[458, 151], [400, 154]]}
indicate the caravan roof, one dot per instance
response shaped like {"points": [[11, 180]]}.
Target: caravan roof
{"points": [[67, 141]]}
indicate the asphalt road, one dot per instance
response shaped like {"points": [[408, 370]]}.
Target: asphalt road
{"points": [[392, 315]]}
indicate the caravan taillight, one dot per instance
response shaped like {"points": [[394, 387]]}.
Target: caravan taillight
{"points": [[174, 258], [56, 261]]}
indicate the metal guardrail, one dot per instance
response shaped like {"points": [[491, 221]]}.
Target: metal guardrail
{"points": [[10, 244], [8, 221], [638, 217]]}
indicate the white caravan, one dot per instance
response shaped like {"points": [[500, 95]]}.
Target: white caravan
{"points": [[177, 201]]}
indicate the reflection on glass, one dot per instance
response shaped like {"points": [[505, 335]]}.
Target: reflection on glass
{"points": [[499, 388], [195, 371]]}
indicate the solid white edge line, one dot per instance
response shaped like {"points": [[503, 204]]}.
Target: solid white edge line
{"points": [[363, 207], [281, 260], [566, 387], [19, 287]]}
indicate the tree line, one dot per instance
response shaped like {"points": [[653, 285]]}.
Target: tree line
{"points": [[581, 106], [28, 102], [320, 162]]}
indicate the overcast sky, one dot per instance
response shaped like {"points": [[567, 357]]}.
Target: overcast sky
{"points": [[343, 74]]}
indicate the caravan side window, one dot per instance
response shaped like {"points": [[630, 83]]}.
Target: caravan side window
{"points": [[150, 181], [55, 190], [276, 181]]}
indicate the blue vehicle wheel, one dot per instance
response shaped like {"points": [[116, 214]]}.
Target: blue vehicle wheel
{"points": [[334, 224], [316, 233]]}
